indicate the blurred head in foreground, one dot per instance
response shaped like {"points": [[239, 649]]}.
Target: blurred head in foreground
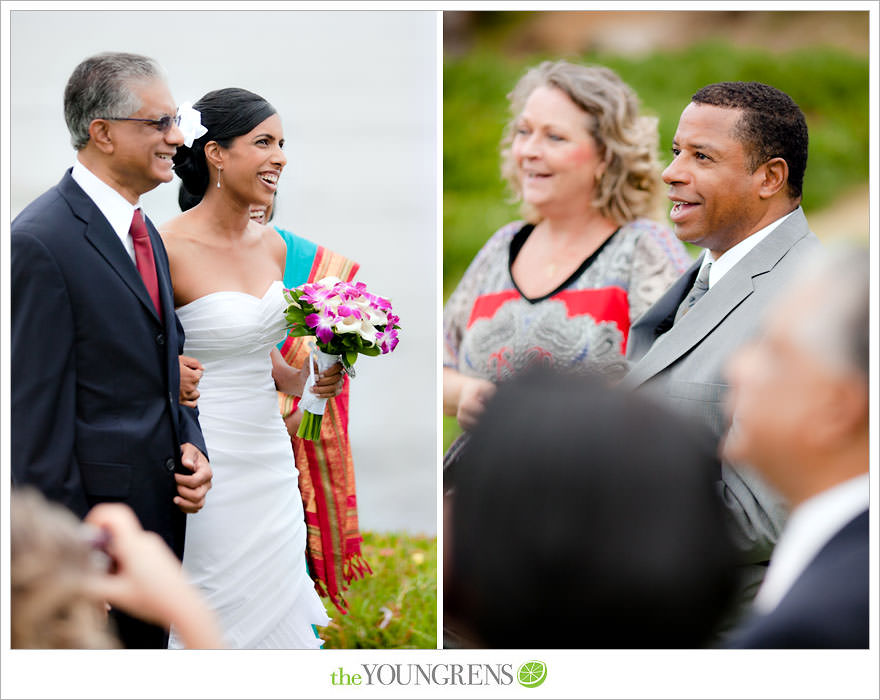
{"points": [[800, 392], [52, 566], [586, 517]]}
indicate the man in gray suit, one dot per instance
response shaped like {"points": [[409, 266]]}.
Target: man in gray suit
{"points": [[740, 152]]}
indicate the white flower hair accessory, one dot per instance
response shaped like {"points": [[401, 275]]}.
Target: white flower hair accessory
{"points": [[190, 123]]}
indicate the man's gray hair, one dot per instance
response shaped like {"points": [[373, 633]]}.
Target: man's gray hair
{"points": [[838, 330], [101, 86]]}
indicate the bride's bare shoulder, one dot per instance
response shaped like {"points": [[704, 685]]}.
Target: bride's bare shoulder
{"points": [[180, 230], [172, 227], [274, 241]]}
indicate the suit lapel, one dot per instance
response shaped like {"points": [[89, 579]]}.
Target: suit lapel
{"points": [[102, 236], [711, 310], [658, 319], [718, 302]]}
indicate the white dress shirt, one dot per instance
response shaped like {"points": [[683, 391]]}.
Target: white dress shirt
{"points": [[116, 209], [810, 527], [731, 257]]}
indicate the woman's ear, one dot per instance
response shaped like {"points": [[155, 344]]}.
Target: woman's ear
{"points": [[214, 154]]}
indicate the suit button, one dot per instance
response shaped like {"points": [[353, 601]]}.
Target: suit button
{"points": [[169, 464], [160, 339]]}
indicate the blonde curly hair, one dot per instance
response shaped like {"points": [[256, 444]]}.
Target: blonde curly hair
{"points": [[630, 185], [50, 569]]}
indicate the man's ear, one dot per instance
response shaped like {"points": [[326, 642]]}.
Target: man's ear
{"points": [[842, 412], [774, 177], [99, 134]]}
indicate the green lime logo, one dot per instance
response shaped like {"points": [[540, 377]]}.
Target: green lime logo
{"points": [[531, 674]]}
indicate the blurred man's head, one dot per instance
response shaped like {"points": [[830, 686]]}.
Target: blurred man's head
{"points": [[580, 503], [799, 396]]}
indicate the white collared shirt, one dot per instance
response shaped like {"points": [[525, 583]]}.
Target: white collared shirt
{"points": [[809, 528], [731, 257], [116, 209]]}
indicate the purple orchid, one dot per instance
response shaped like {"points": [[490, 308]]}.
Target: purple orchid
{"points": [[387, 340], [357, 290], [351, 292], [346, 310], [322, 324], [377, 302], [317, 295]]}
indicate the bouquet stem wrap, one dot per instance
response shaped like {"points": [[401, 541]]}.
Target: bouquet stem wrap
{"points": [[312, 406]]}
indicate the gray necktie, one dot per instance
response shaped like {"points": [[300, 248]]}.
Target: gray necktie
{"points": [[701, 286]]}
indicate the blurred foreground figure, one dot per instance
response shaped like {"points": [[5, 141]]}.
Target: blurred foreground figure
{"points": [[566, 531], [63, 572], [800, 415]]}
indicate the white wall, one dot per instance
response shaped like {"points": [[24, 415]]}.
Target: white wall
{"points": [[356, 92]]}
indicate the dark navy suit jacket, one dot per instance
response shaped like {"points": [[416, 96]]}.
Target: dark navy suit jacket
{"points": [[827, 607], [95, 374]]}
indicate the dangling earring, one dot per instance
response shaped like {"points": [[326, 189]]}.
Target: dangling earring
{"points": [[219, 170]]}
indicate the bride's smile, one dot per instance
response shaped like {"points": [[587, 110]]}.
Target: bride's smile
{"points": [[270, 179]]}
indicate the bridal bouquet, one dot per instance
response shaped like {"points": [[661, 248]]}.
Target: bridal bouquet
{"points": [[346, 320]]}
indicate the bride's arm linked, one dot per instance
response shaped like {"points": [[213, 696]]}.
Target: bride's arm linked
{"points": [[190, 373]]}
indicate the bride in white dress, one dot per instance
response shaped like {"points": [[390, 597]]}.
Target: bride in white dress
{"points": [[246, 549]]}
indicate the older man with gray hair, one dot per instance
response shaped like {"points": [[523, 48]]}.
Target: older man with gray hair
{"points": [[799, 403], [95, 339]]}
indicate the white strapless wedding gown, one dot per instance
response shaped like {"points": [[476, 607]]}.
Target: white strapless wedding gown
{"points": [[245, 550]]}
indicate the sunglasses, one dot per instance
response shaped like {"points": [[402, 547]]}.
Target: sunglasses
{"points": [[163, 124]]}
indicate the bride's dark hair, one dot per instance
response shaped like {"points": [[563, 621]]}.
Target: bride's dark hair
{"points": [[226, 114]]}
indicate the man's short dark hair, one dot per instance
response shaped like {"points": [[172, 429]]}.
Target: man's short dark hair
{"points": [[772, 125]]}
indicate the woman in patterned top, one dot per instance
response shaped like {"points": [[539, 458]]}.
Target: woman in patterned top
{"points": [[562, 287]]}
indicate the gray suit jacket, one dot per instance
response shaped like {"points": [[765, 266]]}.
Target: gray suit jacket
{"points": [[685, 364]]}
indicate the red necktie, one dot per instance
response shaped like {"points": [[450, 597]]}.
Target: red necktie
{"points": [[143, 256]]}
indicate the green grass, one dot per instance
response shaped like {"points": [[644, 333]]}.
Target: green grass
{"points": [[404, 581], [451, 430], [830, 87]]}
